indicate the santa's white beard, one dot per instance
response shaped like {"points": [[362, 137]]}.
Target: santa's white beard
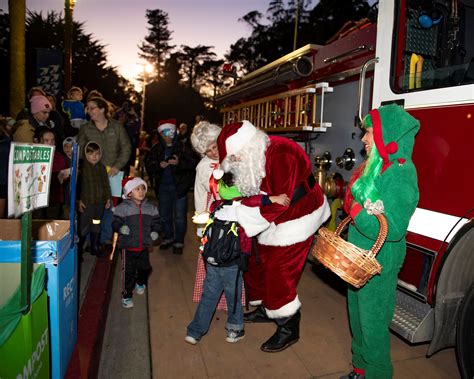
{"points": [[248, 167]]}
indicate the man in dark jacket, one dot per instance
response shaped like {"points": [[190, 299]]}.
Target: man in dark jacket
{"points": [[173, 165]]}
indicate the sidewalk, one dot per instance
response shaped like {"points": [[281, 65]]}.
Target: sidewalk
{"points": [[135, 348], [322, 352], [126, 346]]}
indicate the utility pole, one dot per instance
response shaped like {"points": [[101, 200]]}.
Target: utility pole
{"points": [[68, 9], [297, 18], [17, 10], [147, 70]]}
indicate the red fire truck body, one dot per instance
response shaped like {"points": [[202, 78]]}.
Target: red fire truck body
{"points": [[419, 54]]}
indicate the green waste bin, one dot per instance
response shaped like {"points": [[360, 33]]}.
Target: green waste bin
{"points": [[53, 248], [24, 338]]}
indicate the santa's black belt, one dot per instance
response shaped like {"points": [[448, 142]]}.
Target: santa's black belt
{"points": [[300, 189]]}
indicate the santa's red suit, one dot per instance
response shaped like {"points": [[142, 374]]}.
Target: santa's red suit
{"points": [[284, 234]]}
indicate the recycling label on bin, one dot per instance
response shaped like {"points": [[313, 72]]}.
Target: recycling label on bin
{"points": [[29, 170]]}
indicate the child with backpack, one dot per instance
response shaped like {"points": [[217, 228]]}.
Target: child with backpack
{"points": [[226, 249]]}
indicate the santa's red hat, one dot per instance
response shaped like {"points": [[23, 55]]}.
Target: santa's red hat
{"points": [[167, 124], [234, 137]]}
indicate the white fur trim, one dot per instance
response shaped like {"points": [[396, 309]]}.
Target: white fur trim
{"points": [[166, 125], [287, 310], [131, 184], [237, 141], [255, 303], [297, 230], [251, 219], [218, 173]]}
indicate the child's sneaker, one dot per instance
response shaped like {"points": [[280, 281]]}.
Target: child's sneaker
{"points": [[190, 340], [140, 289], [127, 302], [234, 335]]}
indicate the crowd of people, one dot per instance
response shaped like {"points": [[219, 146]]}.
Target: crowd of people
{"points": [[109, 140], [257, 206], [64, 123]]}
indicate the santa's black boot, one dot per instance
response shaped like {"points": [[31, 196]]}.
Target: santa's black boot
{"points": [[257, 315], [287, 333]]}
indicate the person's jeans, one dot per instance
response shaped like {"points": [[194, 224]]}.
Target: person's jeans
{"points": [[218, 279], [106, 225], [173, 213]]}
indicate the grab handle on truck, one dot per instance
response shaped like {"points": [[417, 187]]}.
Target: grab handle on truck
{"points": [[363, 71], [347, 53]]}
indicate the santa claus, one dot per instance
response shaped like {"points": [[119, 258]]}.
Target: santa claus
{"points": [[273, 165]]}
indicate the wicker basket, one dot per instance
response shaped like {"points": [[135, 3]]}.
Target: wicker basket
{"points": [[353, 264]]}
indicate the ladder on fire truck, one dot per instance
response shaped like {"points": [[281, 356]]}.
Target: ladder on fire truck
{"points": [[290, 111]]}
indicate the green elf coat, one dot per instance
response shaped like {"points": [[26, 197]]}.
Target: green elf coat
{"points": [[371, 307]]}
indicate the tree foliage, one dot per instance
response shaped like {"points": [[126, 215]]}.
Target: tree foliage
{"points": [[90, 69], [272, 37], [156, 48], [185, 72], [327, 17], [192, 62]]}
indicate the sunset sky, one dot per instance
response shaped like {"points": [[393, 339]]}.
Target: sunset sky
{"points": [[122, 25]]}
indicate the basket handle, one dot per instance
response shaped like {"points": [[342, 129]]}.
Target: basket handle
{"points": [[383, 231]]}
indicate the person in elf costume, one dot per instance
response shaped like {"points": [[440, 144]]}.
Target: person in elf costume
{"points": [[386, 183], [273, 165]]}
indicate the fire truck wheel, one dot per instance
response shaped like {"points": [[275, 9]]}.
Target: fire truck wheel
{"points": [[465, 336]]}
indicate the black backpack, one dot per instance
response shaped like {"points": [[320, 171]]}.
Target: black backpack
{"points": [[221, 246], [221, 243]]}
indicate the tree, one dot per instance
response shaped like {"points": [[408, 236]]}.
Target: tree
{"points": [[193, 62], [213, 80], [4, 63], [90, 67], [156, 48], [273, 39], [329, 16]]}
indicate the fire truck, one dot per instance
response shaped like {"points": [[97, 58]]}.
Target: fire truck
{"points": [[420, 55]]}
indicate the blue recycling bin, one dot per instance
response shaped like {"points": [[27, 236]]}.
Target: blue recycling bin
{"points": [[51, 245]]}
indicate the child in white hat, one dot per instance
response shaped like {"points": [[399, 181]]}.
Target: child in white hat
{"points": [[137, 222]]}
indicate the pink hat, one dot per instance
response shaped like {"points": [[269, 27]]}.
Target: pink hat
{"points": [[39, 103]]}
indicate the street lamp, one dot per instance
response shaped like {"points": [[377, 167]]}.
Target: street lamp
{"points": [[68, 8], [147, 70]]}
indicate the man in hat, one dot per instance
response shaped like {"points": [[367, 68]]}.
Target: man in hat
{"points": [[173, 165], [273, 165]]}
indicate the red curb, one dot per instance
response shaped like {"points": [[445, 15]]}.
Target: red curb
{"points": [[92, 318]]}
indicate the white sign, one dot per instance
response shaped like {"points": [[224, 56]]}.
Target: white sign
{"points": [[29, 171]]}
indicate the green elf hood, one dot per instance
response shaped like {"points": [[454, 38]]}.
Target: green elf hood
{"points": [[394, 133]]}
